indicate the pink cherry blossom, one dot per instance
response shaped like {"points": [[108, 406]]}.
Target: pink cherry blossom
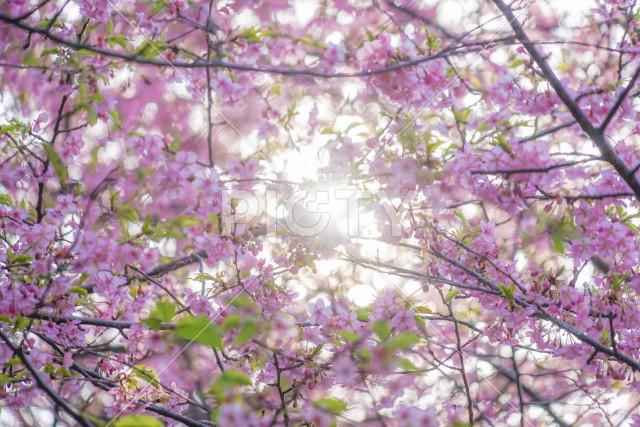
{"points": [[496, 260], [319, 313]]}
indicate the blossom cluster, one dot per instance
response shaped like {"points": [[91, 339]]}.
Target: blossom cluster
{"points": [[504, 290]]}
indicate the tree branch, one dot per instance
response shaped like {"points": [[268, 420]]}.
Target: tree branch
{"points": [[93, 321], [57, 399], [139, 59], [596, 135], [619, 101], [539, 313]]}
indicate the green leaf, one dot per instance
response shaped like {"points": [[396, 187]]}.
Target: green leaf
{"points": [[619, 210], [15, 360], [327, 131], [503, 143], [618, 280], [508, 292], [62, 372], [78, 290], [165, 310], [353, 125], [116, 119], [317, 350], [558, 243], [381, 328], [404, 340], [247, 328], [6, 379], [152, 322], [349, 336], [632, 226], [146, 374], [158, 6], [231, 321], [80, 53], [516, 62], [6, 200], [252, 34], [138, 420], [118, 39], [228, 379], [59, 167], [247, 331], [407, 365], [462, 115], [22, 323], [147, 228], [202, 277], [310, 42], [8, 128], [199, 329], [92, 117], [364, 354], [363, 315], [129, 213], [30, 60], [97, 96], [422, 309], [242, 301], [463, 218], [451, 294], [430, 148], [335, 406], [150, 49], [19, 258]]}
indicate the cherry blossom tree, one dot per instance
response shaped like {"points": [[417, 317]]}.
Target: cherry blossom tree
{"points": [[481, 261]]}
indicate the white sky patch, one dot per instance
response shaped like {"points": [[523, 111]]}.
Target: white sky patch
{"points": [[362, 295]]}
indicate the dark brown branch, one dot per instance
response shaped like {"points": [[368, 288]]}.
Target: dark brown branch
{"points": [[569, 198], [106, 384], [283, 403], [549, 131], [57, 399], [139, 59], [415, 15], [177, 263], [39, 207], [619, 101], [163, 269], [93, 321], [540, 169], [596, 135], [518, 386], [158, 284], [539, 313], [178, 417], [463, 372], [537, 399]]}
